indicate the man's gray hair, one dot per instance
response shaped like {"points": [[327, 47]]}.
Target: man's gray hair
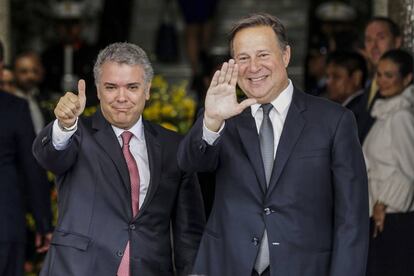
{"points": [[123, 53]]}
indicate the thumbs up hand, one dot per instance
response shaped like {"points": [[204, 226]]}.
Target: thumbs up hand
{"points": [[71, 106]]}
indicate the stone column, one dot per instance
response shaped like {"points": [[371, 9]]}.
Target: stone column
{"points": [[402, 12], [5, 27]]}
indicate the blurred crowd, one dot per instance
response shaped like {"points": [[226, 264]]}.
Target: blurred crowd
{"points": [[373, 77]]}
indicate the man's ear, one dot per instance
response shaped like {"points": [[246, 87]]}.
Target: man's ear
{"points": [[398, 41], [286, 55], [147, 91]]}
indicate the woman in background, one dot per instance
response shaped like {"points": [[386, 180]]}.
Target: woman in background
{"points": [[389, 155]]}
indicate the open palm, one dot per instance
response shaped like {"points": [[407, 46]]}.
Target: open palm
{"points": [[221, 100]]}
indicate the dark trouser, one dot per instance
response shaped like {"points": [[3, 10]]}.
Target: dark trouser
{"points": [[11, 258], [265, 273], [391, 253]]}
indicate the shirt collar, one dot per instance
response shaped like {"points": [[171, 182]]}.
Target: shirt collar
{"points": [[281, 103], [137, 129]]}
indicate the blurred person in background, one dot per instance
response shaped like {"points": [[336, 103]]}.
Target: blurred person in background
{"points": [[381, 35], [28, 71], [198, 17], [346, 73], [21, 180], [8, 84], [389, 155]]}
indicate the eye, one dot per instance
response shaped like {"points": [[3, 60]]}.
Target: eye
{"points": [[110, 87], [242, 59], [133, 87], [263, 55]]}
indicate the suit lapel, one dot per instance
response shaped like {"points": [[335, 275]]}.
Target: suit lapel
{"points": [[105, 137], [292, 129], [154, 160], [250, 140]]}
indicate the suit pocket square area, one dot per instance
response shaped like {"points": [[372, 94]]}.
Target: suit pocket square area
{"points": [[66, 238]]}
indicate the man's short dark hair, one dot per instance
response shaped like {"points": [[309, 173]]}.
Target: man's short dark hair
{"points": [[1, 51], [392, 26], [351, 61], [260, 19]]}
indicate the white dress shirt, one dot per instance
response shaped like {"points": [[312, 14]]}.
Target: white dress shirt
{"points": [[277, 115], [137, 146]]}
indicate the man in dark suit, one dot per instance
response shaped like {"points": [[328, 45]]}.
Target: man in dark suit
{"points": [[121, 194], [21, 180], [291, 189]]}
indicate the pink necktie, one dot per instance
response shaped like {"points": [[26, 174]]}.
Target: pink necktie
{"points": [[123, 269]]}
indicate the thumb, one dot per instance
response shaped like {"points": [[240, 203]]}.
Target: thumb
{"points": [[245, 104], [82, 94]]}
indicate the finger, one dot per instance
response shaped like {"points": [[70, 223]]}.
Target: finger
{"points": [[235, 75], [245, 104], [82, 89], [69, 109], [70, 97], [223, 73], [229, 72], [214, 80]]}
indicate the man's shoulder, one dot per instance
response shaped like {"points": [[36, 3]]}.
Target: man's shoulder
{"points": [[161, 132], [319, 103], [11, 102], [10, 98]]}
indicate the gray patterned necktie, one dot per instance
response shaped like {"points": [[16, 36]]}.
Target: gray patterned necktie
{"points": [[267, 146]]}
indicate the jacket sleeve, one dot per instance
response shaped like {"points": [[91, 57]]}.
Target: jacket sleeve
{"points": [[398, 191], [35, 180], [56, 161], [188, 223], [351, 220], [194, 154]]}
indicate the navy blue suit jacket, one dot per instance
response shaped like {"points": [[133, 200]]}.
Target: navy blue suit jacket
{"points": [[315, 209], [21, 177]]}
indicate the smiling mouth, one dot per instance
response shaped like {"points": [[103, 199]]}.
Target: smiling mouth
{"points": [[257, 79], [121, 109]]}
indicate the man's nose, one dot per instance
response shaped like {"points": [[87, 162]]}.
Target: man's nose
{"points": [[254, 65]]}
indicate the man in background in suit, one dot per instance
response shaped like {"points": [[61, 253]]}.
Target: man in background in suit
{"points": [[346, 73], [28, 71], [21, 180], [381, 35], [121, 194], [291, 188]]}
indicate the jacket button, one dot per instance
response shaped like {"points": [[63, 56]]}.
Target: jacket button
{"points": [[132, 226], [120, 253], [255, 241], [268, 211]]}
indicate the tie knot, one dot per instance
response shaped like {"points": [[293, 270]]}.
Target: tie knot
{"points": [[266, 108], [126, 137]]}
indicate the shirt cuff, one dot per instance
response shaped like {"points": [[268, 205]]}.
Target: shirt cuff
{"points": [[211, 136], [60, 138]]}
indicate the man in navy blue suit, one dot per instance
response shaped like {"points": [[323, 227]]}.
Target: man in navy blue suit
{"points": [[20, 176], [291, 186]]}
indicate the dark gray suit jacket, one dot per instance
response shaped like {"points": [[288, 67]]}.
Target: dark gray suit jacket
{"points": [[95, 215], [315, 209]]}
